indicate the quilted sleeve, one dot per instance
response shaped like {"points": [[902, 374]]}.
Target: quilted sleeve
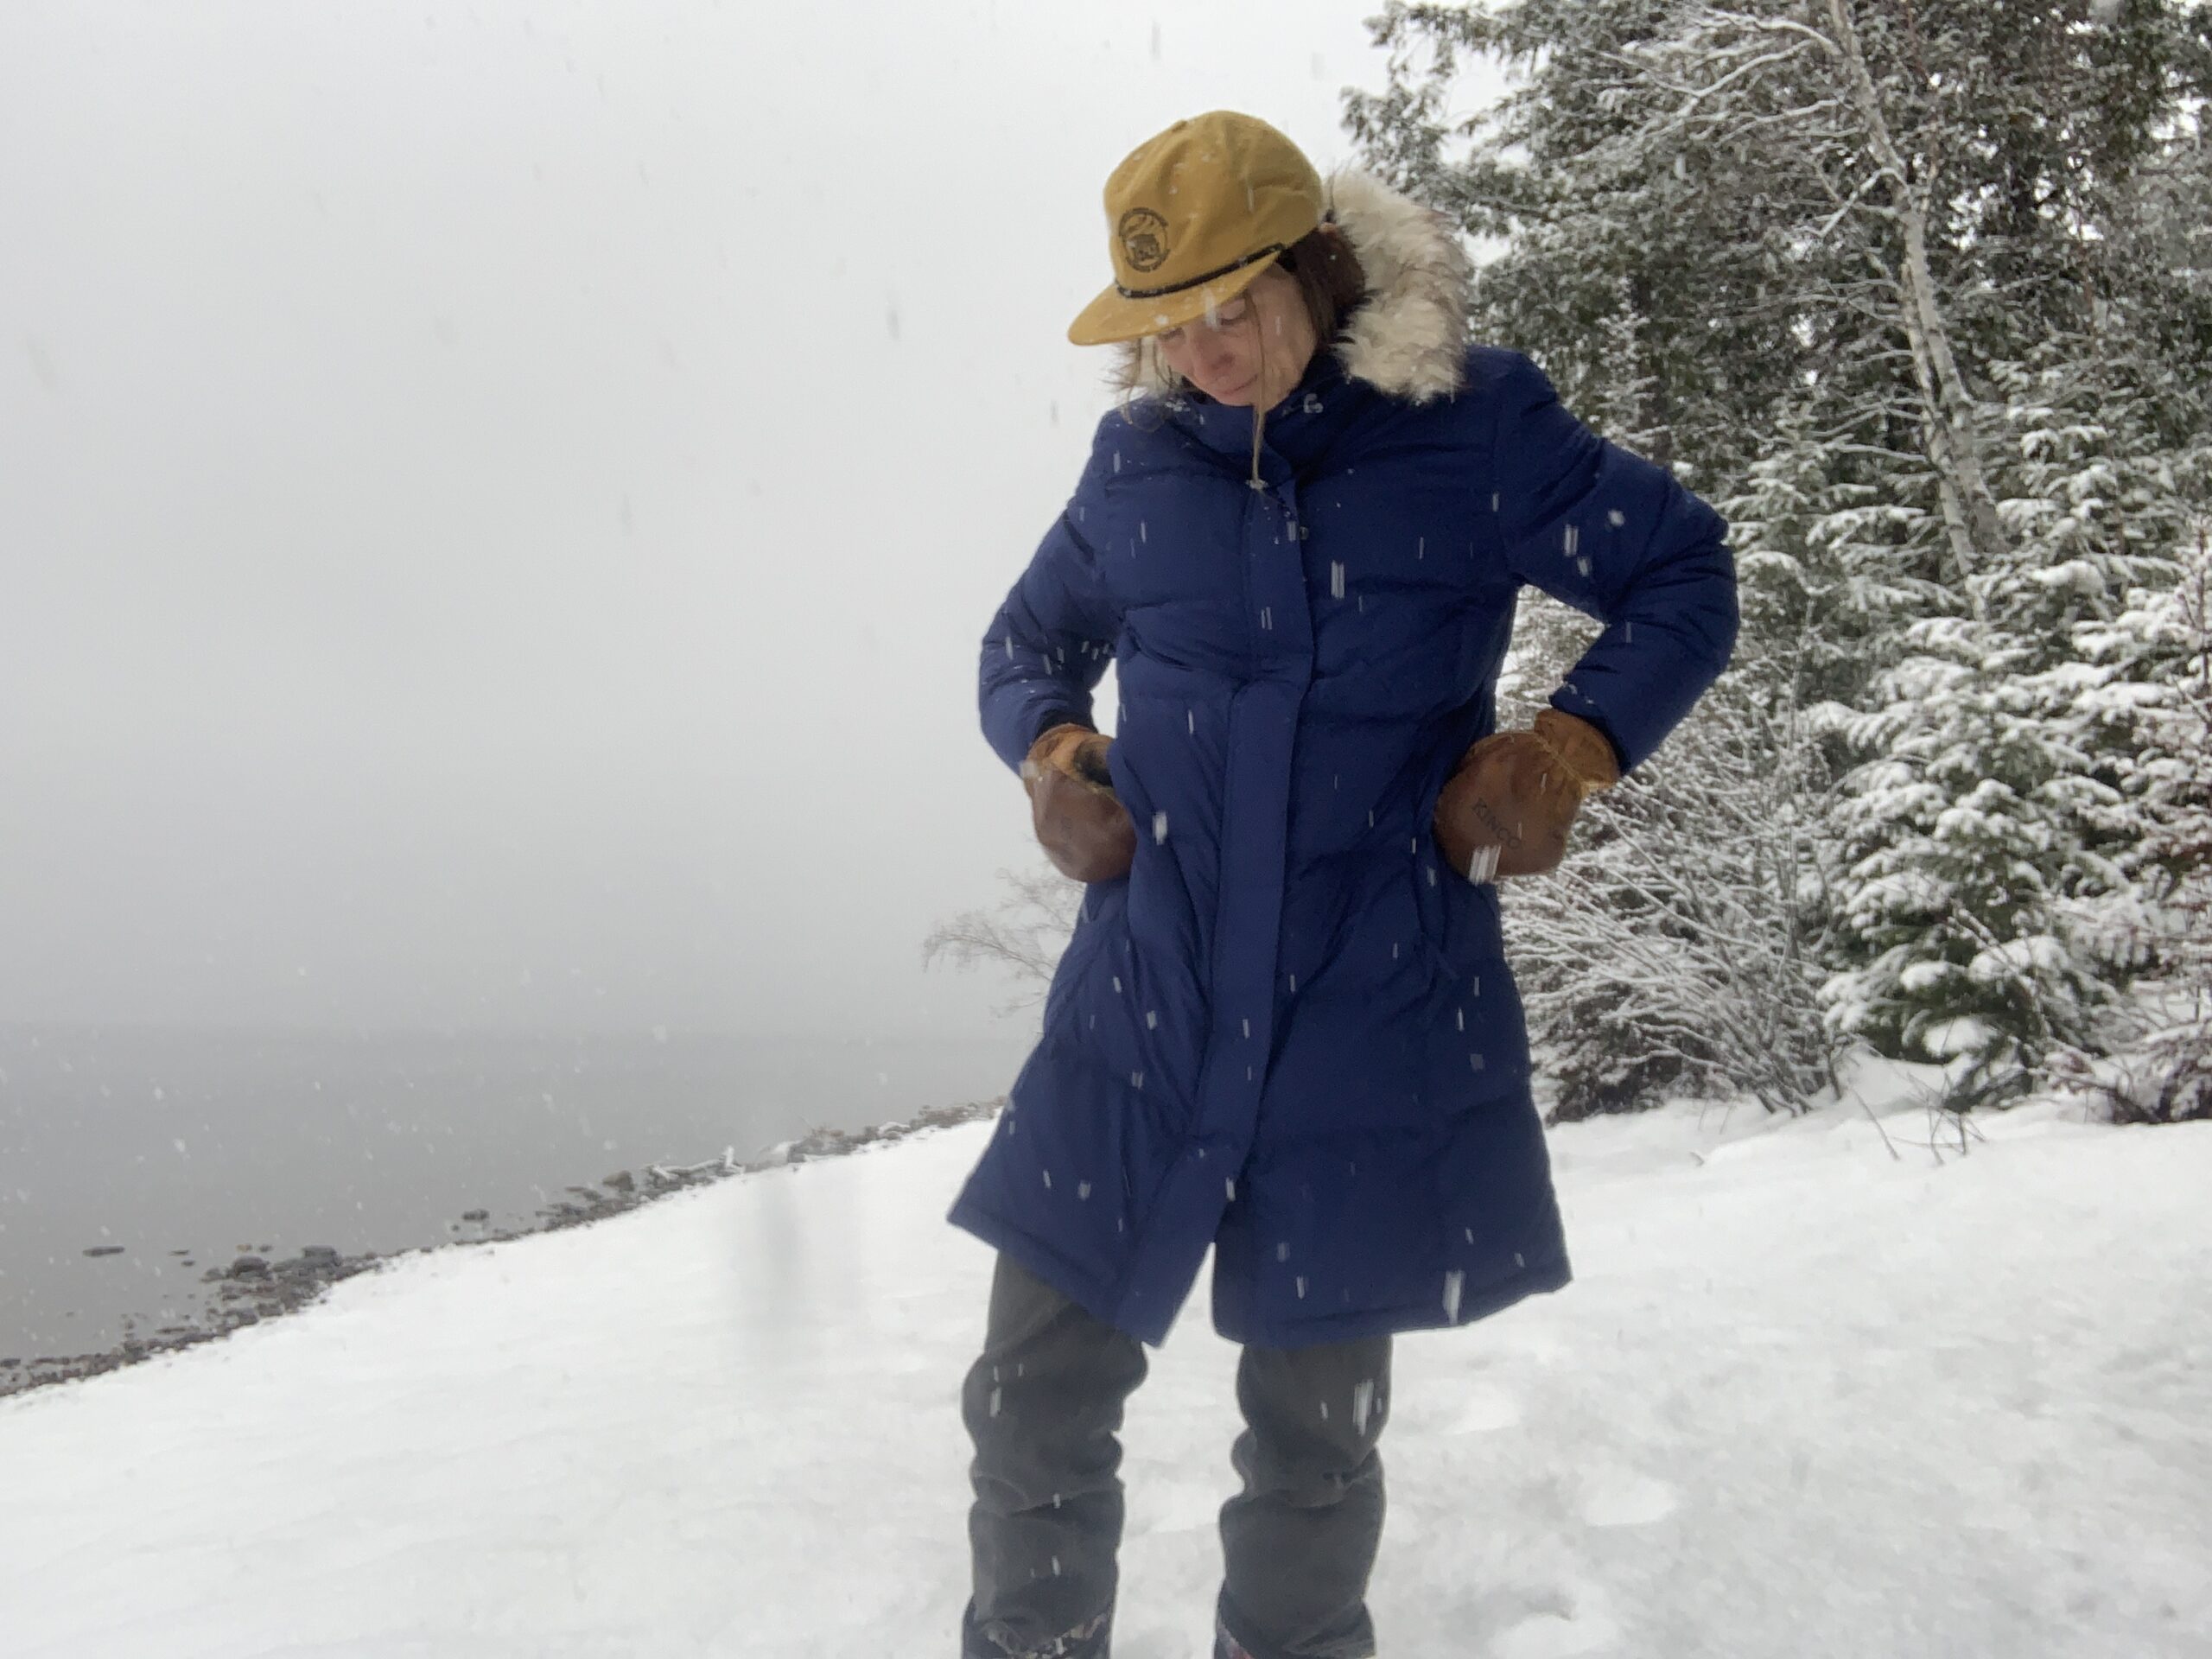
{"points": [[1616, 537], [1051, 641]]}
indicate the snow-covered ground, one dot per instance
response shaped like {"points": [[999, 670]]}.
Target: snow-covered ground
{"points": [[1805, 1401]]}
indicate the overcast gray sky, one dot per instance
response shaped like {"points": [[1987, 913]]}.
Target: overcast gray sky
{"points": [[498, 502]]}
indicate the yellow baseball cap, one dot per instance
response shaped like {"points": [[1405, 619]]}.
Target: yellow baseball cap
{"points": [[1194, 215]]}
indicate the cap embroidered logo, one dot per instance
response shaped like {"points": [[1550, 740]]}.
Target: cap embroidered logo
{"points": [[1144, 239]]}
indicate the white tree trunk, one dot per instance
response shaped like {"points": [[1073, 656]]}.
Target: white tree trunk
{"points": [[1977, 536]]}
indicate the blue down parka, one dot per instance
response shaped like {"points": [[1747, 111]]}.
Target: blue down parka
{"points": [[1289, 1033]]}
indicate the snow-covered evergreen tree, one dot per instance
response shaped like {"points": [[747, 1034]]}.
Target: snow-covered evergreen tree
{"points": [[2154, 665], [1902, 285]]}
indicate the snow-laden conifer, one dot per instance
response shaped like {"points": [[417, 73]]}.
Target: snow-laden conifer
{"points": [[1916, 294]]}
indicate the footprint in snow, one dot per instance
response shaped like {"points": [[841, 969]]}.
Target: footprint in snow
{"points": [[1617, 1498], [1557, 1636], [1482, 1411], [1556, 1622]]}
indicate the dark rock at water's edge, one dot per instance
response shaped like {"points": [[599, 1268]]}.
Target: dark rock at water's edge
{"points": [[253, 1287]]}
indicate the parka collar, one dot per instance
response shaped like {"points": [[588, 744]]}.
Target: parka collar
{"points": [[1297, 431]]}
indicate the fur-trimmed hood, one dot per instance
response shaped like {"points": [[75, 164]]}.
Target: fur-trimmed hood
{"points": [[1408, 338]]}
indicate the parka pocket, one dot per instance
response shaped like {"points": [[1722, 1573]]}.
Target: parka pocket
{"points": [[1104, 906], [1433, 881], [1461, 924]]}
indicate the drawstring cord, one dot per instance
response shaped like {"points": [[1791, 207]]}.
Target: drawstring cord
{"points": [[1259, 415]]}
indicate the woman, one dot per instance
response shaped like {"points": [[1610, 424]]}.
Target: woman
{"points": [[1284, 1027]]}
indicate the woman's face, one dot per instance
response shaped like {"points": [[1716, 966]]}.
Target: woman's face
{"points": [[1252, 351]]}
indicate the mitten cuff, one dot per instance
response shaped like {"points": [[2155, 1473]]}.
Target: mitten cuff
{"points": [[1056, 747], [1582, 748]]}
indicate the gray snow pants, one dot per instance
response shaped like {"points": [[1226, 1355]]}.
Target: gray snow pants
{"points": [[1044, 1408]]}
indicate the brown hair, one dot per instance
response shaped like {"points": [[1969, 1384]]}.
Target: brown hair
{"points": [[1330, 282]]}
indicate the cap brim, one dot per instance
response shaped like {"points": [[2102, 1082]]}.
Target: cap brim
{"points": [[1112, 317]]}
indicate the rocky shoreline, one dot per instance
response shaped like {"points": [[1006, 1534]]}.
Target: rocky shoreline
{"points": [[253, 1288]]}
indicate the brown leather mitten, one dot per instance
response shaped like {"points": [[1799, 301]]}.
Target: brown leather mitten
{"points": [[1081, 824], [1507, 806]]}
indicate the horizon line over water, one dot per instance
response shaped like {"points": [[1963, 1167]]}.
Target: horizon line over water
{"points": [[217, 1141]]}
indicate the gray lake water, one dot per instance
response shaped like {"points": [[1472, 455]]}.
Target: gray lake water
{"points": [[218, 1142]]}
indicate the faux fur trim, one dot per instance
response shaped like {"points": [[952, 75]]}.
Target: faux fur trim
{"points": [[1408, 339]]}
